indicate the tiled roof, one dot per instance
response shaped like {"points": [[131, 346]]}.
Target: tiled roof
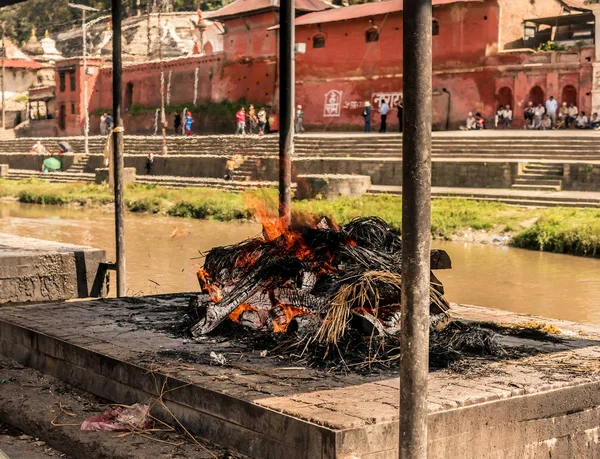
{"points": [[363, 10], [22, 64], [245, 7]]}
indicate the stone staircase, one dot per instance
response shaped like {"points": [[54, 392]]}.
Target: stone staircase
{"points": [[540, 177], [247, 169], [460, 146], [54, 177], [164, 181], [81, 164]]}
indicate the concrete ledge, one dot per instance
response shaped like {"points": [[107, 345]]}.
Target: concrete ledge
{"points": [[32, 270], [512, 409], [330, 186]]}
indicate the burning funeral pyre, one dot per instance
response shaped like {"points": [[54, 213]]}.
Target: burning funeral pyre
{"points": [[314, 277]]}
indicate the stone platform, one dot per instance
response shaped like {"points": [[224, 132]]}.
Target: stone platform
{"points": [[544, 404], [32, 270]]}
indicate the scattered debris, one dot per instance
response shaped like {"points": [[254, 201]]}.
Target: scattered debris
{"points": [[119, 418], [218, 358]]}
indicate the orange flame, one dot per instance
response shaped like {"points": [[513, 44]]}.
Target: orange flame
{"points": [[207, 286], [281, 323], [235, 315]]}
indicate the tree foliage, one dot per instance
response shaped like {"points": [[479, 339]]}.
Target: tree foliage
{"points": [[56, 15]]}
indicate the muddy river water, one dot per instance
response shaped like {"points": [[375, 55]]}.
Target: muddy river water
{"points": [[163, 254]]}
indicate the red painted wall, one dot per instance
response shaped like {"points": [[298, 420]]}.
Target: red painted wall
{"points": [[249, 36], [334, 82]]}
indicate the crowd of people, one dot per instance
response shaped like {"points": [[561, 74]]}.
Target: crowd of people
{"points": [[539, 117]]}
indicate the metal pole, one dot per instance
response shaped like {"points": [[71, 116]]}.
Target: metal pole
{"points": [[3, 73], [286, 106], [163, 117], [118, 163], [86, 122], [416, 228]]}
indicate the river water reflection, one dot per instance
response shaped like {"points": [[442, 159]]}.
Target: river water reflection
{"points": [[550, 285]]}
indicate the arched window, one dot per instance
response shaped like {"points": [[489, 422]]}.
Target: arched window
{"points": [[505, 96], [536, 95], [318, 41], [372, 35], [208, 47], [569, 95], [435, 28]]}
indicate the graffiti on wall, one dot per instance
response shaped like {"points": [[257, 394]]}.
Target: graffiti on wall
{"points": [[391, 98], [333, 103]]}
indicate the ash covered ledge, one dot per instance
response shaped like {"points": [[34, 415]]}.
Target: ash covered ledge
{"points": [[34, 270]]}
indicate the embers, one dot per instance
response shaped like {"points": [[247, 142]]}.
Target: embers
{"points": [[339, 277]]}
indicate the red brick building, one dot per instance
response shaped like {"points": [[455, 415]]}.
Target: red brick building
{"points": [[354, 54]]}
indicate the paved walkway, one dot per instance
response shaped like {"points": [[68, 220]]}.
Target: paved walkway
{"points": [[562, 133], [522, 197]]}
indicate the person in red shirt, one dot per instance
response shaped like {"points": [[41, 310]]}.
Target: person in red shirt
{"points": [[240, 118]]}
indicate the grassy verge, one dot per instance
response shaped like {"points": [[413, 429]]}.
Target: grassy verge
{"points": [[560, 230]]}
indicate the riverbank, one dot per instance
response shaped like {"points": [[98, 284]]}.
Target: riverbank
{"points": [[559, 230]]}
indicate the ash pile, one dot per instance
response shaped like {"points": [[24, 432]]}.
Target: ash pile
{"points": [[314, 280]]}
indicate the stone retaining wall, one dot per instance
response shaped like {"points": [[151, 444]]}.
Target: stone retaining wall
{"points": [[383, 171], [386, 171], [582, 177]]}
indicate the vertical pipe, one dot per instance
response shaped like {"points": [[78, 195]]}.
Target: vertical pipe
{"points": [[118, 148], [286, 107], [416, 227], [3, 73], [163, 117], [86, 119]]}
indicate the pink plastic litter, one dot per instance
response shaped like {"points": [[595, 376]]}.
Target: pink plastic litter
{"points": [[119, 418]]}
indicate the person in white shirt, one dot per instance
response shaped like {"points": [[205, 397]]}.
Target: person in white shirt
{"points": [[384, 109], [573, 112], [471, 122], [594, 121], [540, 111], [546, 123], [507, 116], [536, 123], [551, 108], [581, 122]]}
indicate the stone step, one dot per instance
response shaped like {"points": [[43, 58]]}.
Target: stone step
{"points": [[527, 202], [536, 187], [524, 180], [537, 175]]}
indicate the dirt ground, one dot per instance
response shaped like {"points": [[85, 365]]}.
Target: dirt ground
{"points": [[32, 402], [17, 445]]}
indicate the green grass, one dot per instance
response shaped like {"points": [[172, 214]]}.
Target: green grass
{"points": [[560, 230]]}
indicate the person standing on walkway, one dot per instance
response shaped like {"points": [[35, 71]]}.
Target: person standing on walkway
{"points": [[240, 119], [400, 116], [262, 121], [252, 120], [366, 114], [103, 127], [299, 120], [189, 121], [149, 163], [551, 108], [177, 123], [384, 109]]}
